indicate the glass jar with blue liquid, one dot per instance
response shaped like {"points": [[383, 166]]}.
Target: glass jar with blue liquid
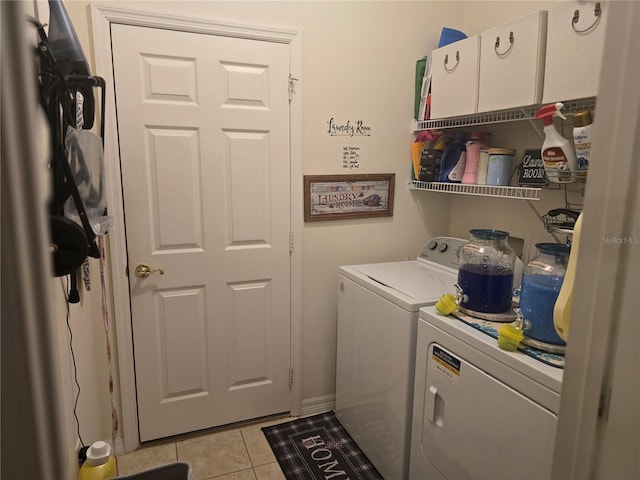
{"points": [[486, 272], [541, 283]]}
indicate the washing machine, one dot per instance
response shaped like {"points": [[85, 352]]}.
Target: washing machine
{"points": [[378, 306], [480, 412]]}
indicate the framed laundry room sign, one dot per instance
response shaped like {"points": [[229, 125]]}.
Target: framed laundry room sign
{"points": [[340, 197]]}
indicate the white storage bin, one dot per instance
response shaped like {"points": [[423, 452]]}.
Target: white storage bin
{"points": [[575, 37], [512, 63], [454, 78]]}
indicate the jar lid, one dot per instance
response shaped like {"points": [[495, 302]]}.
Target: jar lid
{"points": [[559, 249], [502, 151], [581, 119], [489, 233]]}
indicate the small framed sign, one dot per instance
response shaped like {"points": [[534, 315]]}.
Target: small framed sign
{"points": [[338, 197], [531, 169]]}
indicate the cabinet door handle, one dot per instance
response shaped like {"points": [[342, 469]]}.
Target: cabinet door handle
{"points": [[597, 12], [497, 45], [446, 62]]}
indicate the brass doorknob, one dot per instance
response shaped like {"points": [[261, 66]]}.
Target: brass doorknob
{"points": [[143, 271]]}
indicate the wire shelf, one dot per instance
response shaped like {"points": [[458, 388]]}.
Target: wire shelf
{"points": [[500, 116], [521, 193]]}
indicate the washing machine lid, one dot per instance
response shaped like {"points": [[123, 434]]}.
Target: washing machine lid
{"points": [[420, 281]]}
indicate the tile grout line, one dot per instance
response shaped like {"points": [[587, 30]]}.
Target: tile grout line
{"points": [[246, 448]]}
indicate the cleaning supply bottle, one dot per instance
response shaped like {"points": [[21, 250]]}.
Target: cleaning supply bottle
{"points": [[454, 160], [558, 156], [582, 140], [100, 464], [477, 142]]}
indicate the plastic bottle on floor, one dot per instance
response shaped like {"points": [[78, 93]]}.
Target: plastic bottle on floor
{"points": [[100, 464]]}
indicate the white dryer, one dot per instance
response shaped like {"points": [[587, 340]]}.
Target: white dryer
{"points": [[378, 307], [479, 412]]}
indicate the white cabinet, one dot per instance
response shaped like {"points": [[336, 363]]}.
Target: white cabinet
{"points": [[512, 59], [454, 78], [575, 37], [543, 57]]}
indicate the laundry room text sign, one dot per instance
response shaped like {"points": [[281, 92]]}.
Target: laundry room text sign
{"points": [[349, 128], [337, 197]]}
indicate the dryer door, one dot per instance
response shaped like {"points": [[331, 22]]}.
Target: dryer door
{"points": [[476, 427]]}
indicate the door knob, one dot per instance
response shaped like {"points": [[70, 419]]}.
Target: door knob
{"points": [[143, 271]]}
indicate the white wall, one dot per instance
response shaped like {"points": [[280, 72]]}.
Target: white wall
{"points": [[358, 64], [482, 15]]}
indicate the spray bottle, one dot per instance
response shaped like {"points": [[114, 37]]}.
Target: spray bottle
{"points": [[558, 155], [582, 140]]}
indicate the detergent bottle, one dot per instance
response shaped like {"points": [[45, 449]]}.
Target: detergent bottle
{"points": [[558, 156], [454, 160], [100, 463]]}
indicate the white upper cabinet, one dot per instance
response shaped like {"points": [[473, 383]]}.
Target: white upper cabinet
{"points": [[512, 60], [454, 78], [543, 57], [575, 37]]}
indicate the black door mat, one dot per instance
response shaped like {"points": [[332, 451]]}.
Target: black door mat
{"points": [[317, 448]]}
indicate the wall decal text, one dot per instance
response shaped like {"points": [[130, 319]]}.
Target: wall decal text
{"points": [[350, 157], [348, 129]]}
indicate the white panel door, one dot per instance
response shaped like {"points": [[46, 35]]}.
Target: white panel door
{"points": [[203, 125]]}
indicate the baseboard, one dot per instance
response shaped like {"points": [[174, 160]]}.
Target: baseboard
{"points": [[313, 406]]}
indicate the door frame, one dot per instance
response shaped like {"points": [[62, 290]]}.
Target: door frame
{"points": [[102, 17]]}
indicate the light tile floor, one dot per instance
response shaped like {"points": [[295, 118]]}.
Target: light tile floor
{"points": [[241, 453]]}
